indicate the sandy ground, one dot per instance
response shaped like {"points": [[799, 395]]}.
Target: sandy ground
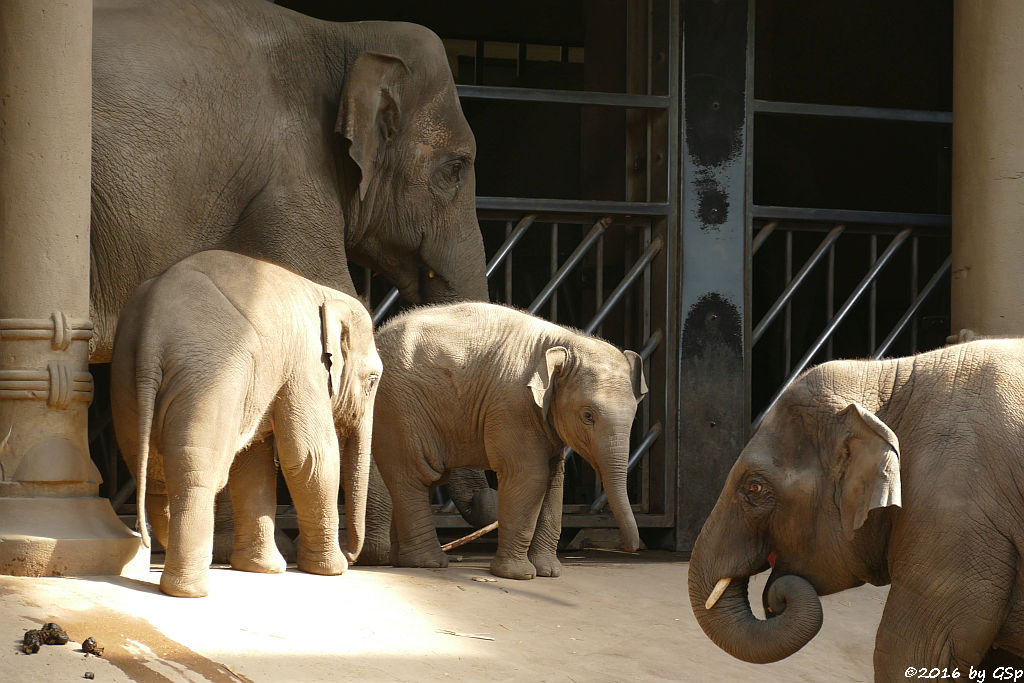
{"points": [[609, 617]]}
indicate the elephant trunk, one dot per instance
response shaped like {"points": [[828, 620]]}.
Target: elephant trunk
{"points": [[729, 621], [611, 467], [460, 265], [355, 465], [472, 494]]}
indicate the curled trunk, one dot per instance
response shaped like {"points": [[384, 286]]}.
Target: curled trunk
{"points": [[731, 624]]}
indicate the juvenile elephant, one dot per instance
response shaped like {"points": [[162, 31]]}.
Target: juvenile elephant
{"points": [[245, 126], [212, 358], [905, 471], [484, 386]]}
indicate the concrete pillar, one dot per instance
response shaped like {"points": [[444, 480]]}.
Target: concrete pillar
{"points": [[52, 521], [988, 167]]}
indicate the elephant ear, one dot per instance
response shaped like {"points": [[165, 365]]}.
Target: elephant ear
{"points": [[870, 475], [542, 383], [369, 112], [636, 375], [335, 323]]}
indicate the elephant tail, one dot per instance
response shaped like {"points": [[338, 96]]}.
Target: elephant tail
{"points": [[147, 384]]}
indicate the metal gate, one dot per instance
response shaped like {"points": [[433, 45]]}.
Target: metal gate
{"points": [[775, 123]]}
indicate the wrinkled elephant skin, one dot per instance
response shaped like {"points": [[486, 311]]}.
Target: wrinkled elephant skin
{"points": [[485, 386], [904, 471], [212, 359]]}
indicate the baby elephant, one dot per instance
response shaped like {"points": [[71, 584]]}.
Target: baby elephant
{"points": [[213, 357], [488, 387]]}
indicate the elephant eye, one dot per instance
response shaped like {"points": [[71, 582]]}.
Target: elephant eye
{"points": [[451, 173], [371, 382], [755, 488], [588, 417]]}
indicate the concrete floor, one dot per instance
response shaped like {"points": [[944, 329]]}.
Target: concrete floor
{"points": [[610, 617]]}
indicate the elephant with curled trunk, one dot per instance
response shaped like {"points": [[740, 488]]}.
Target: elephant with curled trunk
{"points": [[245, 126], [211, 359], [484, 386], [906, 472]]}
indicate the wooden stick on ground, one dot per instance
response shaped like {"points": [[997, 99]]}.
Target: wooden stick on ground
{"points": [[471, 537]]}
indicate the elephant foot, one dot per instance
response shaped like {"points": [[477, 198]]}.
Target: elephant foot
{"points": [[258, 560], [192, 586], [328, 563], [431, 560], [513, 568], [546, 564], [374, 554]]}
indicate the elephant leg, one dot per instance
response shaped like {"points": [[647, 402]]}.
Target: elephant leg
{"points": [[544, 546], [158, 511], [416, 543], [946, 617], [307, 449], [523, 483], [377, 543], [157, 504], [194, 475], [253, 485]]}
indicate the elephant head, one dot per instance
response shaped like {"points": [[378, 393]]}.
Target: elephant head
{"points": [[589, 393], [354, 370], [409, 160], [799, 499]]}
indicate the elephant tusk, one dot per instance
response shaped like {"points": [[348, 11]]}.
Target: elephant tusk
{"points": [[717, 593]]}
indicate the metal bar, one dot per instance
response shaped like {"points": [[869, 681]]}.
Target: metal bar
{"points": [[599, 279], [788, 325], [634, 458], [910, 312], [836, 320], [852, 112], [762, 235], [830, 292], [574, 258], [573, 206], [123, 494], [508, 265], [795, 283], [385, 306], [915, 268], [653, 342], [873, 298], [929, 220], [553, 264], [513, 236], [624, 284], [605, 99]]}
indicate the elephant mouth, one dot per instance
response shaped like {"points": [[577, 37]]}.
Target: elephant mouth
{"points": [[724, 582]]}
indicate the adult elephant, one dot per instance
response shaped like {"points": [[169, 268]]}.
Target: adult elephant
{"points": [[905, 471], [245, 126]]}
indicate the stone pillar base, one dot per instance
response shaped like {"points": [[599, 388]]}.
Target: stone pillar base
{"points": [[67, 536]]}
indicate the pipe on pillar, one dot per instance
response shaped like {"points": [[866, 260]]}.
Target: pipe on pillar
{"points": [[52, 522], [988, 167]]}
